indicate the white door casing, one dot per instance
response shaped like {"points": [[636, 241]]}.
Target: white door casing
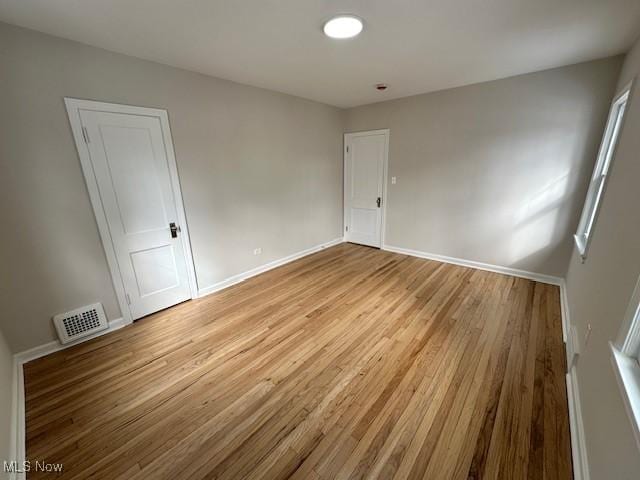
{"points": [[129, 165], [365, 172]]}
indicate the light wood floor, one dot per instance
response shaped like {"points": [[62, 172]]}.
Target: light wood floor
{"points": [[350, 363]]}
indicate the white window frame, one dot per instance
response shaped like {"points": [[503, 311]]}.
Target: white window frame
{"points": [[584, 234], [625, 356]]}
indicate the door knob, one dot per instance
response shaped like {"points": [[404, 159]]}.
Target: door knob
{"points": [[379, 201], [174, 229]]}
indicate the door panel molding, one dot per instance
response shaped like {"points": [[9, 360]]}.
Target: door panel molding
{"points": [[385, 168], [74, 107]]}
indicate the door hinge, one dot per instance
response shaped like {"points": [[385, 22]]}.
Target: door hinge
{"points": [[128, 298], [85, 134]]}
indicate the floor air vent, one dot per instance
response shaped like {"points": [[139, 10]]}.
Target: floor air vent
{"points": [[81, 322]]}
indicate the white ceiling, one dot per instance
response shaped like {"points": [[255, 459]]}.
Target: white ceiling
{"points": [[415, 46]]}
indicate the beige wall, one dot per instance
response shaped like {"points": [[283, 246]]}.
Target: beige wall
{"points": [[257, 169], [6, 407], [494, 172], [599, 292]]}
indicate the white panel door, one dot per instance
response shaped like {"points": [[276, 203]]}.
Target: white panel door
{"points": [[365, 159], [130, 163]]}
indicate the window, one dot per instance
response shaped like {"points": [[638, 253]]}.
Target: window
{"points": [[626, 361], [600, 172]]}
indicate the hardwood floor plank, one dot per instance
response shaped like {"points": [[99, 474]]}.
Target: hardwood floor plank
{"points": [[351, 363]]}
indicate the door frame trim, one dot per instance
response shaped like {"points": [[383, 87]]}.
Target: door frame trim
{"points": [[74, 105], [385, 170]]}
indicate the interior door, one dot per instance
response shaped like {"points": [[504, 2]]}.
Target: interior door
{"points": [[365, 158], [130, 164]]}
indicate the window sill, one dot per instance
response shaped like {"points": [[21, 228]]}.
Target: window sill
{"points": [[627, 371], [581, 245]]}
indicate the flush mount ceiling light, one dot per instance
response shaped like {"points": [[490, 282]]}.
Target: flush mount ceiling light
{"points": [[343, 26]]}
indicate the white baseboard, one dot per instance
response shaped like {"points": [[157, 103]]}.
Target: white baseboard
{"points": [[578, 445], [538, 277], [264, 268], [54, 346], [576, 427], [18, 432], [18, 449], [564, 310]]}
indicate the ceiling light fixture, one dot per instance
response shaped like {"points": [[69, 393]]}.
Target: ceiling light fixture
{"points": [[343, 26]]}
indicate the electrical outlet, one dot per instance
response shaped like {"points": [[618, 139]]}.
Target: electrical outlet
{"points": [[393, 180], [587, 335], [257, 251]]}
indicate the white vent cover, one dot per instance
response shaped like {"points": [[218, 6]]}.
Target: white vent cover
{"points": [[80, 322]]}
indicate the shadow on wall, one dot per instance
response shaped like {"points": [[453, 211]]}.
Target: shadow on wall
{"points": [[557, 208], [495, 172], [527, 193], [537, 221]]}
